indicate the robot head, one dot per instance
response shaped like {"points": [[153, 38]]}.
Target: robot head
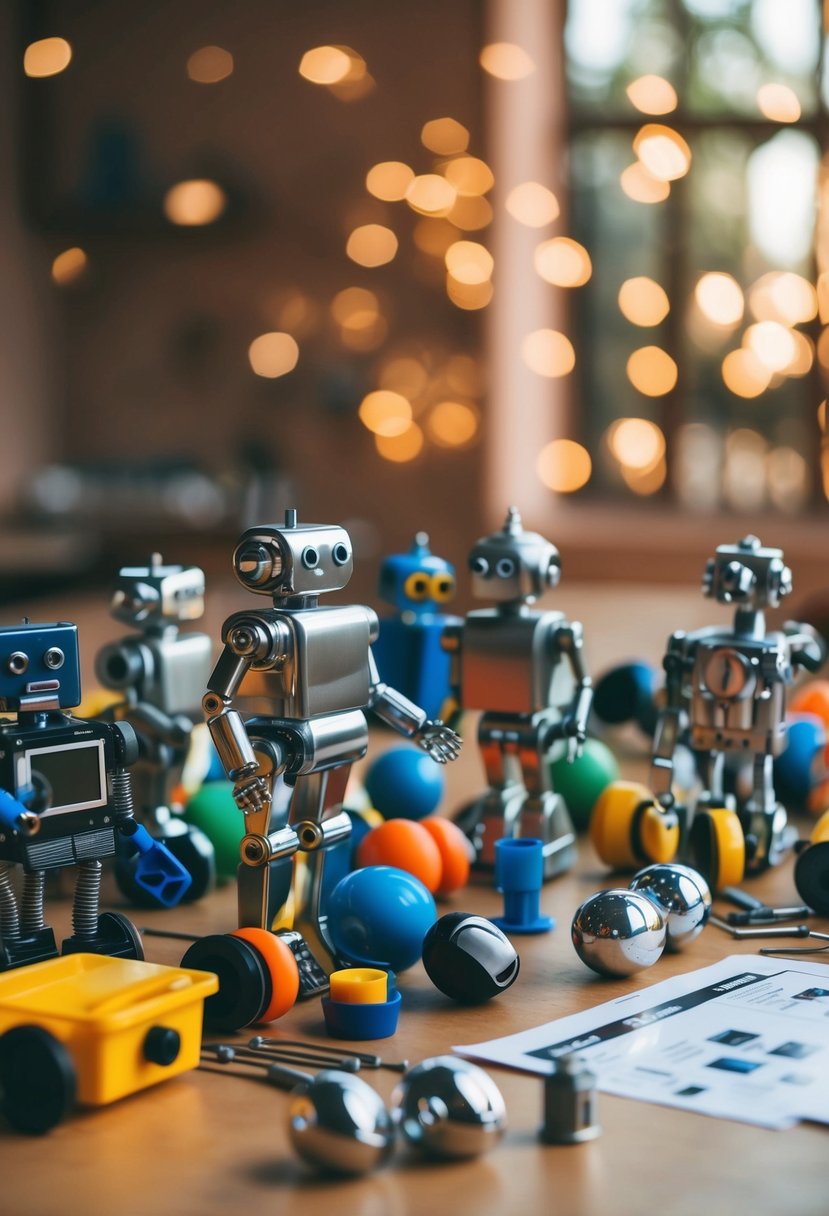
{"points": [[292, 559], [417, 581], [39, 666], [156, 594], [747, 574], [513, 565]]}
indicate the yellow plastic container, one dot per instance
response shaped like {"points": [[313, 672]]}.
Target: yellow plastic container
{"points": [[103, 1009]]}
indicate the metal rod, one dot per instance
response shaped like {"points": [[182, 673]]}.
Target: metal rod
{"points": [[366, 1058], [149, 931]]}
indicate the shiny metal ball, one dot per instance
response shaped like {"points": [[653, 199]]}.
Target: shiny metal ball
{"points": [[618, 932], [339, 1123], [450, 1108], [682, 895]]}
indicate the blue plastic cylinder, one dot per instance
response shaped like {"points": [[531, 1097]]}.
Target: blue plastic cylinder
{"points": [[519, 875]]}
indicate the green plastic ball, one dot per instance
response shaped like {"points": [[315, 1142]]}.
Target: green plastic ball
{"points": [[581, 782], [213, 810]]}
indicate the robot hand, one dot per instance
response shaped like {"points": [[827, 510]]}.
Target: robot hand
{"points": [[252, 794], [574, 732], [439, 741]]}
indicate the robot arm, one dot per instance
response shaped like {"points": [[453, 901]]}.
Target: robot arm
{"points": [[574, 724], [669, 723], [408, 719], [450, 642], [807, 646]]}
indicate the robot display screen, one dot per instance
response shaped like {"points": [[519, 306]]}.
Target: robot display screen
{"points": [[68, 778]]}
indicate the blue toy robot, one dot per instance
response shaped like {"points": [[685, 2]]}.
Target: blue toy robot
{"points": [[64, 795], [408, 652]]}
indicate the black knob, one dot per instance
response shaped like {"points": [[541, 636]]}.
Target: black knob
{"points": [[162, 1045]]}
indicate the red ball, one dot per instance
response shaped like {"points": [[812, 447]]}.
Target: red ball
{"points": [[407, 845]]}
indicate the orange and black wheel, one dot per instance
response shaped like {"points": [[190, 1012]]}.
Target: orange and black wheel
{"points": [[244, 984], [281, 968]]}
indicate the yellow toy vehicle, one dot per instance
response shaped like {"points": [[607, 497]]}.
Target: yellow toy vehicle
{"points": [[92, 1028]]}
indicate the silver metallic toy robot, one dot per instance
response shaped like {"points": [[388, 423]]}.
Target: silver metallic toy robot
{"points": [[314, 665], [162, 673], [525, 670], [729, 686]]}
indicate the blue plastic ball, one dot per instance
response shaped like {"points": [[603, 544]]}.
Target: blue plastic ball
{"points": [[404, 783], [379, 916], [794, 769]]}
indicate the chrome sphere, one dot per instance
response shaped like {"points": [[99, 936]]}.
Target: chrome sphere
{"points": [[682, 895], [449, 1108], [339, 1123], [618, 932]]}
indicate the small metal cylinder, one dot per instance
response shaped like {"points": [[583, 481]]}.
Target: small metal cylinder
{"points": [[569, 1103]]}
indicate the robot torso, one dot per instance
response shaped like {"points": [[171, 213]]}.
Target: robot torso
{"points": [[737, 693], [512, 663]]}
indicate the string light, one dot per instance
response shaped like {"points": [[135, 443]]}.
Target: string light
{"points": [[273, 355], [69, 266], [209, 65], [564, 466], [47, 57], [506, 61], [194, 203]]}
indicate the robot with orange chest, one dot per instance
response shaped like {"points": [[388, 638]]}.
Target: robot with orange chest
{"points": [[525, 670]]}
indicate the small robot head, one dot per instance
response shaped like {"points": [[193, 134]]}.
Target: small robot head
{"points": [[747, 574], [513, 565], [156, 595], [291, 559], [39, 667], [417, 581]]}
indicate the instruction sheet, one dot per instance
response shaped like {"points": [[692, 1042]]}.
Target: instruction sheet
{"points": [[745, 1039]]}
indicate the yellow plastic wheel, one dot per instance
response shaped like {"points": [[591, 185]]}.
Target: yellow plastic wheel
{"points": [[612, 822], [657, 832], [820, 831], [718, 847]]}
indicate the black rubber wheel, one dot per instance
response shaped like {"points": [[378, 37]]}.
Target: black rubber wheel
{"points": [[37, 1079], [811, 876], [117, 936], [244, 982]]}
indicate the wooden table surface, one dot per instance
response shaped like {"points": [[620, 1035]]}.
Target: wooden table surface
{"points": [[206, 1143]]}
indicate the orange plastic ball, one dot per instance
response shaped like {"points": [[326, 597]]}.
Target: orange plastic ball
{"points": [[455, 852], [812, 698], [406, 845]]}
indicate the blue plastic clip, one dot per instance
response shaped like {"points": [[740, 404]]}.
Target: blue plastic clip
{"points": [[157, 871]]}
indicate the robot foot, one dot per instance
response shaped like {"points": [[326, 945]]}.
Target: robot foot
{"points": [[27, 948], [116, 936], [546, 818]]}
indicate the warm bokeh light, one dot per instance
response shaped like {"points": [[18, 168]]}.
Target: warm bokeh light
{"points": [[469, 175], [643, 302], [645, 481], [405, 375], [47, 57], [444, 136], [470, 213], [778, 103], [69, 266], [636, 443], [464, 375], [272, 355], [744, 473], [193, 203], [719, 297], [804, 356], [434, 236], [652, 95], [662, 151], [430, 194], [468, 296], [824, 471], [371, 245], [823, 297], [452, 424], [506, 61], [400, 448], [563, 262], [782, 295], [389, 180], [209, 65], [354, 302], [822, 348], [328, 65], [789, 478], [469, 263], [564, 466], [772, 343], [532, 204], [744, 374], [548, 353], [641, 187], [295, 312], [821, 415], [385, 413], [652, 371]]}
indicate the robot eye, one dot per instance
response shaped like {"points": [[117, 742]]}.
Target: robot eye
{"points": [[416, 586], [256, 564], [505, 567], [310, 557], [340, 554], [479, 565], [443, 587], [54, 658], [17, 663]]}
